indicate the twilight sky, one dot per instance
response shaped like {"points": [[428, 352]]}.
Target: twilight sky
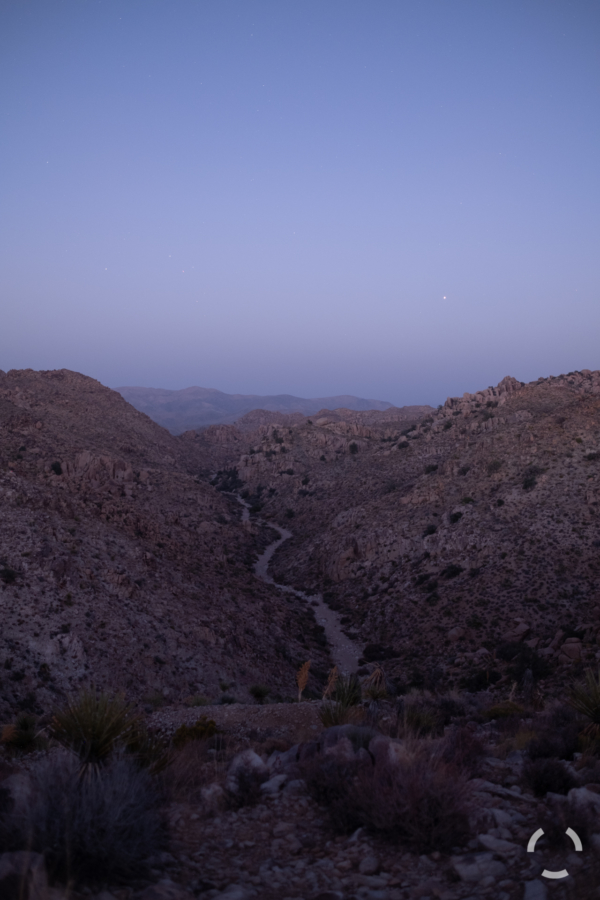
{"points": [[389, 198]]}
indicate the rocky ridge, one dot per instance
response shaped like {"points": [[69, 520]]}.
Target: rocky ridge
{"points": [[119, 565], [476, 525]]}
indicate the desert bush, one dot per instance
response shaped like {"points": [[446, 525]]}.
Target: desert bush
{"points": [[504, 710], [260, 692], [557, 734], [455, 517], [543, 775], [56, 468], [418, 799], [201, 730], [23, 736], [462, 748], [197, 700], [585, 698], [353, 447], [494, 466], [101, 825], [430, 469], [189, 770], [429, 529], [94, 724]]}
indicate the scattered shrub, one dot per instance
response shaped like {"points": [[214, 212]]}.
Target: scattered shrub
{"points": [[494, 466], [227, 699], [8, 575], [464, 470], [102, 826], [201, 730], [353, 447], [451, 571], [447, 426], [197, 700], [429, 529], [462, 748], [260, 692], [543, 775], [467, 500], [455, 517], [24, 736], [56, 468], [504, 710], [431, 468], [289, 513]]}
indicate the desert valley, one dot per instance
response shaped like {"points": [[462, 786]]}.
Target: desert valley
{"points": [[438, 572]]}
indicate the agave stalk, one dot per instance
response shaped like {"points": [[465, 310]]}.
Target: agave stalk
{"points": [[302, 678], [331, 683]]}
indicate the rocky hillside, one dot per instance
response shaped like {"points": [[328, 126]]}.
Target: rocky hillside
{"points": [[476, 527], [119, 566]]}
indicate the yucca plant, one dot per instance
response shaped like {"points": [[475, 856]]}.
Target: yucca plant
{"points": [[585, 698], [332, 713], [93, 724], [347, 690], [375, 688]]}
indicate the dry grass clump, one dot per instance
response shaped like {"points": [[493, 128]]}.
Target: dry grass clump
{"points": [[99, 823], [414, 796]]}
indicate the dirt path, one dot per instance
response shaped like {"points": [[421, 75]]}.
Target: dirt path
{"points": [[344, 652]]}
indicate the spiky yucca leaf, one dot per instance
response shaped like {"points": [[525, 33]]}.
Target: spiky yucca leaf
{"points": [[93, 724], [585, 698], [347, 690]]}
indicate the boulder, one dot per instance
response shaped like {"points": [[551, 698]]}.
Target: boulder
{"points": [[245, 766], [477, 866]]}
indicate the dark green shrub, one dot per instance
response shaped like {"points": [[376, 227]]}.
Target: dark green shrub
{"points": [[289, 513], [8, 575], [447, 426], [464, 470], [431, 468], [201, 730], [429, 529], [353, 447], [467, 500], [260, 692], [455, 517], [56, 468], [544, 775], [451, 571], [494, 466]]}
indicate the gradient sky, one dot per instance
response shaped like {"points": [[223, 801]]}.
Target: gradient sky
{"points": [[392, 198]]}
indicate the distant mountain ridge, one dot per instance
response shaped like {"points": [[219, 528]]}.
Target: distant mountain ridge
{"points": [[198, 407]]}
